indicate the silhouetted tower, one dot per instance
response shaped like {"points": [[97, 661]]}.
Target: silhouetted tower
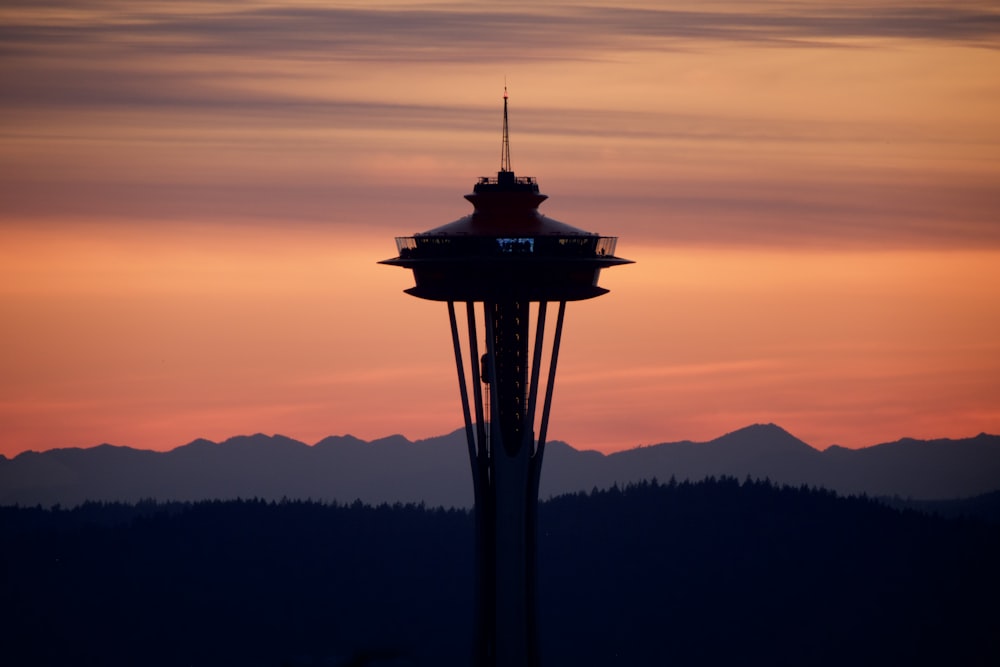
{"points": [[506, 256]]}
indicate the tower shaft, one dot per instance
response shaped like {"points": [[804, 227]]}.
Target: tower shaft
{"points": [[510, 356], [506, 461]]}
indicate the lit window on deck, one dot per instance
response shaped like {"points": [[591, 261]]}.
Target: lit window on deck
{"points": [[516, 246]]}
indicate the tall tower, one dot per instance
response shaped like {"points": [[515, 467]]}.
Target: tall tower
{"points": [[507, 257]]}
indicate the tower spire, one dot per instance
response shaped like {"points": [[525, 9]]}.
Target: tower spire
{"points": [[505, 147]]}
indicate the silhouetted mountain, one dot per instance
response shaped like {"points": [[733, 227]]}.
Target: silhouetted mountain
{"points": [[435, 471], [718, 572], [342, 468], [935, 469], [758, 451]]}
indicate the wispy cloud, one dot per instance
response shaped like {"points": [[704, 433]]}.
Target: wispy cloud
{"points": [[200, 54], [99, 100], [444, 31]]}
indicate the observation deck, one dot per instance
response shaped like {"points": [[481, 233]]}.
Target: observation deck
{"points": [[506, 250]]}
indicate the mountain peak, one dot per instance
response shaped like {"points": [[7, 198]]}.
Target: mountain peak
{"points": [[262, 440], [395, 440], [764, 438], [335, 441]]}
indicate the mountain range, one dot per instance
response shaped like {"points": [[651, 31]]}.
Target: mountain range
{"points": [[435, 471]]}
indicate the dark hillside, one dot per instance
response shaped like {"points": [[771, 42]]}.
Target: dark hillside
{"points": [[713, 573], [234, 583], [720, 573]]}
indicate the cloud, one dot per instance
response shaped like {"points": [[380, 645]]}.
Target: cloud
{"points": [[473, 32], [769, 214], [267, 111], [808, 22], [206, 54]]}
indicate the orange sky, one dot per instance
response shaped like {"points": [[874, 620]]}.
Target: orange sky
{"points": [[193, 197]]}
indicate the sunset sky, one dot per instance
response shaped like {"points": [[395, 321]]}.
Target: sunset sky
{"points": [[194, 196]]}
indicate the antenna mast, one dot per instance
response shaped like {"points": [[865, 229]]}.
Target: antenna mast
{"points": [[505, 148]]}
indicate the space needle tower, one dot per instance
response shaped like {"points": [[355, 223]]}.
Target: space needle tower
{"points": [[509, 265]]}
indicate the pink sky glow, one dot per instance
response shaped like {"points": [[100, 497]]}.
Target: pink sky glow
{"points": [[194, 196]]}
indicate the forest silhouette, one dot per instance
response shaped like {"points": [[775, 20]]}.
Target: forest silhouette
{"points": [[716, 572]]}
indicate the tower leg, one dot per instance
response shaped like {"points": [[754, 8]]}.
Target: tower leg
{"points": [[484, 638]]}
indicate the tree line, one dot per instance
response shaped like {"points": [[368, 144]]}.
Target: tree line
{"points": [[714, 572]]}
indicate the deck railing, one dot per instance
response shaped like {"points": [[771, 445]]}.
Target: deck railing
{"points": [[519, 180], [554, 247]]}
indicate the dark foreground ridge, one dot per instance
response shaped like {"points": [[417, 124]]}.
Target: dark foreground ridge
{"points": [[711, 573]]}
